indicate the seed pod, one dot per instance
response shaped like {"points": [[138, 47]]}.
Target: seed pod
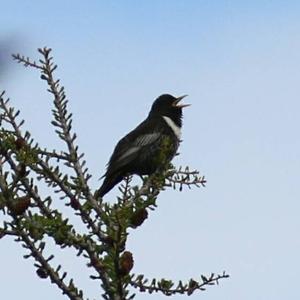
{"points": [[41, 273], [20, 143], [74, 203], [138, 217], [20, 205], [126, 263]]}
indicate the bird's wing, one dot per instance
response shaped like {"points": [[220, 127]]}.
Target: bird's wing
{"points": [[129, 147], [137, 144]]}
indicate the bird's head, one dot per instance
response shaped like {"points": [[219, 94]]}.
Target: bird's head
{"points": [[169, 106]]}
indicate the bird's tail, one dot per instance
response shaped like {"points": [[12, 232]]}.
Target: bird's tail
{"points": [[108, 183]]}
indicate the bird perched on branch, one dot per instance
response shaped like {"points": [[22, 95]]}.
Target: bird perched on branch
{"points": [[150, 146]]}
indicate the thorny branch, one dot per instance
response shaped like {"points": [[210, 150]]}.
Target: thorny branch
{"points": [[70, 290], [21, 59], [185, 178], [37, 253], [167, 286], [50, 174]]}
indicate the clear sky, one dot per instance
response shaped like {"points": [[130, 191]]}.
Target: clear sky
{"points": [[239, 62]]}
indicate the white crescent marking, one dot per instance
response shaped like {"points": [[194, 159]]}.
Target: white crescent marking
{"points": [[176, 129]]}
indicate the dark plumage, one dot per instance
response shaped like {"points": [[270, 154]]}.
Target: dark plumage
{"points": [[149, 146]]}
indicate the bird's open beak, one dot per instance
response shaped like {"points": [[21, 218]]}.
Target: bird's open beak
{"points": [[180, 105]]}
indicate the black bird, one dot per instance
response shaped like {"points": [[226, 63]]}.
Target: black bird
{"points": [[148, 147]]}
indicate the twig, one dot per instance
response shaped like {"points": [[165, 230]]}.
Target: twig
{"points": [[165, 286], [26, 61], [69, 290]]}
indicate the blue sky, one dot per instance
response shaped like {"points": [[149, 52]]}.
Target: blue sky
{"points": [[239, 62]]}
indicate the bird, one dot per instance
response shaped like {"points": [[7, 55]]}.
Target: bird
{"points": [[150, 146]]}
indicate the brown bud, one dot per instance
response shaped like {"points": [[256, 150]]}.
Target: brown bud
{"points": [[108, 240], [192, 286], [41, 273], [126, 263], [138, 217], [22, 170], [20, 143], [74, 203], [20, 205]]}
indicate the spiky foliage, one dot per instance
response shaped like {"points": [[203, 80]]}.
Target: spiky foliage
{"points": [[33, 219]]}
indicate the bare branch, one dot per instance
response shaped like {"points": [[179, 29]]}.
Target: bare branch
{"points": [[69, 289], [21, 59], [166, 286], [184, 178]]}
